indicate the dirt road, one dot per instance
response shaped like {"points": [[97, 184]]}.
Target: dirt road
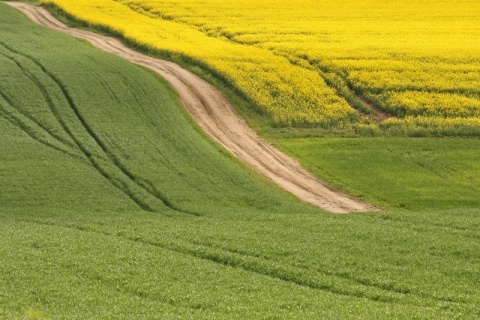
{"points": [[214, 113]]}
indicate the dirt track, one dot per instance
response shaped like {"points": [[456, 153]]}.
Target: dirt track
{"points": [[214, 113]]}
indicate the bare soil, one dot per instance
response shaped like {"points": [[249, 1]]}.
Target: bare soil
{"points": [[214, 113]]}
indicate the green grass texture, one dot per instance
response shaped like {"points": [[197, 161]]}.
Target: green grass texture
{"points": [[410, 173], [113, 205]]}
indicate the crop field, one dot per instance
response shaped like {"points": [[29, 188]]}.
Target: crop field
{"points": [[114, 126], [114, 205], [409, 173], [405, 67]]}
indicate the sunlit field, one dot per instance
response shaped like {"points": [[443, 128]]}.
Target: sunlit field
{"points": [[395, 65], [114, 205]]}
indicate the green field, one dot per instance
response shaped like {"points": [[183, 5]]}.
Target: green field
{"points": [[415, 174], [113, 205]]}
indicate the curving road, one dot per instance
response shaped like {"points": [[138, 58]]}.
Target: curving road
{"points": [[214, 113]]}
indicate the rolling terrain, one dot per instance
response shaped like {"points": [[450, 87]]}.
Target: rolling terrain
{"points": [[212, 111], [114, 204]]}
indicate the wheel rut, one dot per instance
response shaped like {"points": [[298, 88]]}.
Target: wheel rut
{"points": [[214, 114]]}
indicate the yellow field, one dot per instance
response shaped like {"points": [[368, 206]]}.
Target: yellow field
{"points": [[300, 61]]}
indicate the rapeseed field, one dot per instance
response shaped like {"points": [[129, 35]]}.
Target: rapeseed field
{"points": [[311, 63]]}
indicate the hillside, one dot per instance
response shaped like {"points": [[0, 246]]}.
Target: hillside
{"points": [[113, 204]]}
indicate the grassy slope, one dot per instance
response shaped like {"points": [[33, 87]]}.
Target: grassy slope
{"points": [[75, 245], [116, 122]]}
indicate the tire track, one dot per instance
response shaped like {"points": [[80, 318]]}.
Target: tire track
{"points": [[214, 113], [321, 280], [32, 132], [23, 114], [260, 266], [99, 162]]}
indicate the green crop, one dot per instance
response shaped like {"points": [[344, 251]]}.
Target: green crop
{"points": [[411, 173], [113, 205]]}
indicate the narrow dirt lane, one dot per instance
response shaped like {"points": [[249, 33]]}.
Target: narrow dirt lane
{"points": [[214, 113]]}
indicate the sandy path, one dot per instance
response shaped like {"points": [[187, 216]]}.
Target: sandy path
{"points": [[214, 113]]}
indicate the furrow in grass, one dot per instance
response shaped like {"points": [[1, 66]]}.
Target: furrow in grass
{"points": [[410, 158], [31, 130], [382, 292], [131, 291], [95, 160], [105, 86], [150, 187], [26, 115], [166, 162], [326, 273], [275, 271], [155, 298], [142, 181], [54, 109], [119, 286], [354, 288], [142, 184]]}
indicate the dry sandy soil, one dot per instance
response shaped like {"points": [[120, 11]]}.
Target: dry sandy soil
{"points": [[214, 113]]}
